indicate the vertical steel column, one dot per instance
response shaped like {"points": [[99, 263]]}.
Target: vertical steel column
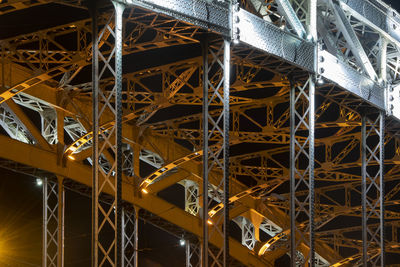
{"points": [[44, 223], [193, 254], [216, 68], [136, 238], [6, 80], [107, 101], [302, 121], [372, 184], [187, 254], [61, 213], [129, 238], [119, 10], [53, 197], [95, 126]]}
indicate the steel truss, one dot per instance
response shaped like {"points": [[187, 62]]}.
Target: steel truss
{"points": [[53, 223], [192, 194], [107, 217], [216, 71], [349, 35], [248, 232], [193, 254], [302, 122], [130, 224], [373, 195]]}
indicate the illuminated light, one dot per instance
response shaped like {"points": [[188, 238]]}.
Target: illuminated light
{"points": [[182, 242], [309, 37], [263, 249], [71, 157], [144, 190], [209, 222], [39, 181]]}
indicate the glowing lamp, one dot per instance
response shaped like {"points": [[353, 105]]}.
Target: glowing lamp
{"points": [[144, 190]]}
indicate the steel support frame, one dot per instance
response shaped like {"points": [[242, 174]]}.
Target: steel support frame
{"points": [[192, 204], [13, 125], [248, 233], [130, 224], [193, 254], [372, 187], [302, 122], [216, 68], [49, 125], [53, 223], [107, 217]]}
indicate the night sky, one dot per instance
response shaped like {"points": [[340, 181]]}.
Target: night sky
{"points": [[21, 201]]}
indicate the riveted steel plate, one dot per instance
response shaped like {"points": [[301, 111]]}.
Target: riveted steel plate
{"points": [[394, 102], [384, 18], [198, 12], [269, 38], [346, 77]]}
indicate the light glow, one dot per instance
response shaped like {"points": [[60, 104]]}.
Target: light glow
{"points": [[71, 157], [39, 181], [144, 190], [209, 222], [182, 242], [263, 249]]}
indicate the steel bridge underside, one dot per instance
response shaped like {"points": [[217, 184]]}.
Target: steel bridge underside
{"points": [[354, 110]]}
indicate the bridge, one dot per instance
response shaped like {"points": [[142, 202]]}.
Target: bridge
{"points": [[281, 117]]}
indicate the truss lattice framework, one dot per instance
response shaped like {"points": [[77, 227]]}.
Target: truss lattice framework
{"points": [[373, 131], [53, 222], [193, 254], [302, 171], [107, 217], [130, 224], [216, 87], [363, 51]]}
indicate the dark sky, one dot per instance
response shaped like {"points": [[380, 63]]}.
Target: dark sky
{"points": [[21, 209], [394, 3]]}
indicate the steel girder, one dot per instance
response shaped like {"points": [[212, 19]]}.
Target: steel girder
{"points": [[12, 6]]}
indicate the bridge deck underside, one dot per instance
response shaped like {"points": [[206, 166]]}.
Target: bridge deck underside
{"points": [[48, 72]]}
